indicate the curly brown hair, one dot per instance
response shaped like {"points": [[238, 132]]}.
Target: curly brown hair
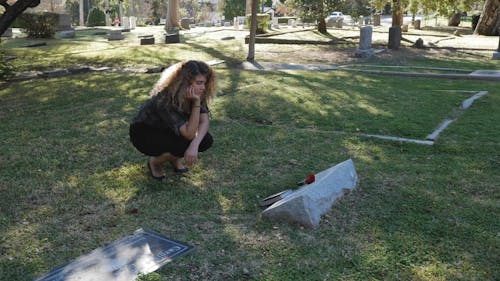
{"points": [[174, 81]]}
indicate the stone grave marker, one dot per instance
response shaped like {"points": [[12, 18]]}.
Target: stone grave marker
{"points": [[115, 34], [404, 27], [185, 23], [376, 19], [416, 24], [307, 204], [123, 260], [365, 42], [394, 37], [147, 40]]}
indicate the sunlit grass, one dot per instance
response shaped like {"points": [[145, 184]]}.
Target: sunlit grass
{"points": [[69, 176]]}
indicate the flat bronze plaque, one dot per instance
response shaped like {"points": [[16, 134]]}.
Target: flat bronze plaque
{"points": [[143, 252]]}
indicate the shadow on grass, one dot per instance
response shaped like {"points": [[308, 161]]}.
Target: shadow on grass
{"points": [[69, 178]]}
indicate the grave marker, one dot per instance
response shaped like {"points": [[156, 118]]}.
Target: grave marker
{"points": [[143, 252]]}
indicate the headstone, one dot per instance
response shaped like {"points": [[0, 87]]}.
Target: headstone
{"points": [[306, 204], [115, 34], [172, 38], [68, 33], [365, 42], [361, 20], [63, 22], [419, 43], [236, 23], [394, 37], [376, 20], [7, 33], [416, 24], [365, 38], [227, 23], [147, 40], [185, 23], [339, 23], [125, 23], [404, 28], [133, 22], [123, 260], [291, 22]]}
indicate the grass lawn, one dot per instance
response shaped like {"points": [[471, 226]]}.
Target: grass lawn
{"points": [[69, 176]]}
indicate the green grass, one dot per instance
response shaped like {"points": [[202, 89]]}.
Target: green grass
{"points": [[70, 176]]}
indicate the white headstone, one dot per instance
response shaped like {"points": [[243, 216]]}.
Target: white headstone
{"points": [[306, 205]]}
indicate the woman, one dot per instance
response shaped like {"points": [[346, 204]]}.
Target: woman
{"points": [[173, 123]]}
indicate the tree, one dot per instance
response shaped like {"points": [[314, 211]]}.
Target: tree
{"points": [[489, 22], [234, 8], [317, 10], [12, 10], [253, 31], [172, 15]]}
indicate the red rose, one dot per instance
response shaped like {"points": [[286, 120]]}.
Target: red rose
{"points": [[310, 178], [134, 211]]}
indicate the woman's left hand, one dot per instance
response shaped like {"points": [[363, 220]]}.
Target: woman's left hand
{"points": [[191, 155]]}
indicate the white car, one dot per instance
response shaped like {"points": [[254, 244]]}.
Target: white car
{"points": [[334, 16]]}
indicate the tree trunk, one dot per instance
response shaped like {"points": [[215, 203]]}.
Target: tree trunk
{"points": [[253, 31], [454, 20], [489, 22], [106, 12], [80, 11], [13, 11], [322, 26], [172, 15], [248, 7], [397, 13]]}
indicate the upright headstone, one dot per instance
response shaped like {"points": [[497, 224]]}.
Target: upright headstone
{"points": [[394, 37], [376, 20], [185, 23], [404, 28], [339, 23], [125, 23], [63, 22], [236, 23], [133, 22], [365, 42], [416, 24], [274, 23]]}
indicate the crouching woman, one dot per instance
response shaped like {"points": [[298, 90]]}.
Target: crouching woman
{"points": [[173, 124]]}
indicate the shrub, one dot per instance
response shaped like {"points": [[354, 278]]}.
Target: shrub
{"points": [[262, 22], [96, 18], [39, 25], [6, 68]]}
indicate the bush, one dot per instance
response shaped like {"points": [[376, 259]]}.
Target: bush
{"points": [[39, 25], [262, 22], [96, 18], [6, 69]]}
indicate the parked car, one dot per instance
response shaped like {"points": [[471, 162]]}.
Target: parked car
{"points": [[334, 16]]}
